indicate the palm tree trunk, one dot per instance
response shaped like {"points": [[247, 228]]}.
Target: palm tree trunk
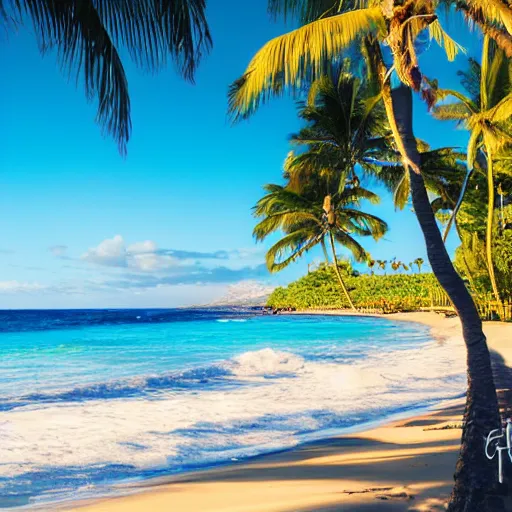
{"points": [[458, 205], [337, 270], [475, 475], [324, 249], [490, 218]]}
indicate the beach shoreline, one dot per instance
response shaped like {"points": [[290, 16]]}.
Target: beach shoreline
{"points": [[398, 464]]}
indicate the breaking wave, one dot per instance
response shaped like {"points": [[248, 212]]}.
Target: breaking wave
{"points": [[262, 363]]}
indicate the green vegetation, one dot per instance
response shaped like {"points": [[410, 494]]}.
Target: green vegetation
{"points": [[470, 256], [395, 292], [485, 112]]}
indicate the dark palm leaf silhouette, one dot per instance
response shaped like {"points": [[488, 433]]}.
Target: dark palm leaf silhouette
{"points": [[88, 36]]}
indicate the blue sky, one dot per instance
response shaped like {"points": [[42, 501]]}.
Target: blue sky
{"points": [[171, 223]]}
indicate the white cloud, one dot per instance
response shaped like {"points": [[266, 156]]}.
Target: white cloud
{"points": [[58, 250], [146, 257], [142, 247], [245, 291], [246, 253], [17, 287], [141, 256], [150, 261], [111, 253]]}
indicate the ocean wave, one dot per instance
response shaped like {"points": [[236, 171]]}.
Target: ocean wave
{"points": [[266, 363], [124, 388], [264, 410], [342, 369]]}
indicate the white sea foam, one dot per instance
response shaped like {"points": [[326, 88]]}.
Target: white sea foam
{"points": [[266, 362], [281, 398]]}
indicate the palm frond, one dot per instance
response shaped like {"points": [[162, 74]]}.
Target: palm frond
{"points": [[468, 102], [499, 77], [474, 11], [304, 10], [452, 112], [365, 224], [451, 47], [498, 11], [498, 138], [87, 34], [286, 221], [85, 47], [402, 191], [474, 143], [501, 112], [447, 156], [323, 85], [296, 243], [486, 59], [280, 199], [354, 194], [470, 79], [357, 250], [185, 32], [388, 175], [305, 54]]}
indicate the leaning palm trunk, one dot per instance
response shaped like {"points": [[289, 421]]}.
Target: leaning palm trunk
{"points": [[337, 270], [324, 249], [475, 475], [458, 205], [482, 161]]}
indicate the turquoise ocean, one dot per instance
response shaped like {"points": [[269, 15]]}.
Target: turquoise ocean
{"points": [[93, 399]]}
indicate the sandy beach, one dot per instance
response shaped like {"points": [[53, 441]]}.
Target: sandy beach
{"points": [[405, 465]]}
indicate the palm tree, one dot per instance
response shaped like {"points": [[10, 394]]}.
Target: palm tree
{"points": [[484, 113], [396, 265], [287, 62], [493, 18], [344, 130], [418, 262], [312, 217], [382, 265], [88, 34], [371, 264], [442, 173], [347, 131], [338, 119]]}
